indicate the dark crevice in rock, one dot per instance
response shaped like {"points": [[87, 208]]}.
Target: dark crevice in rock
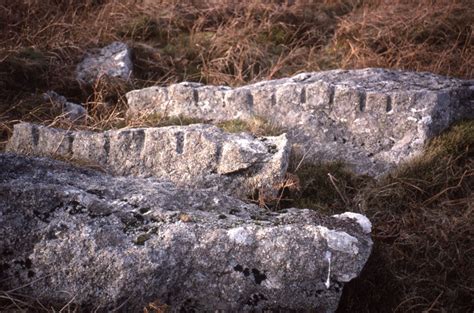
{"points": [[196, 96], [303, 95], [250, 101], [35, 135], [97, 192], [238, 172], [388, 108], [144, 210], [332, 91], [273, 99], [70, 138], [106, 147], [139, 137], [362, 101], [179, 142]]}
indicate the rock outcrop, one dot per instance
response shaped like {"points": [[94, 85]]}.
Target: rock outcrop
{"points": [[201, 156], [113, 60], [372, 119], [103, 242]]}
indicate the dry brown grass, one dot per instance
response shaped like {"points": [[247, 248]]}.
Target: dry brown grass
{"points": [[422, 217], [423, 232], [42, 41], [422, 214], [433, 36]]}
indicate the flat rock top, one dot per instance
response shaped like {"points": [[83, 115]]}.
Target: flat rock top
{"points": [[384, 80], [369, 79]]}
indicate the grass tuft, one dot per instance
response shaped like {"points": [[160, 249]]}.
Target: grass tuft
{"points": [[256, 125]]}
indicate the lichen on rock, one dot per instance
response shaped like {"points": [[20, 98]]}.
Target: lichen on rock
{"points": [[371, 119], [103, 241]]}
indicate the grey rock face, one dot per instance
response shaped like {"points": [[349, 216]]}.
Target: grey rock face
{"points": [[201, 156], [372, 119], [71, 234], [76, 113], [113, 60]]}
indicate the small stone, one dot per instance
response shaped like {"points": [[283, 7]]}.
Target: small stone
{"points": [[113, 60], [75, 113]]}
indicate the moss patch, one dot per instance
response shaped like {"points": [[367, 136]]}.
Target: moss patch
{"points": [[160, 120]]}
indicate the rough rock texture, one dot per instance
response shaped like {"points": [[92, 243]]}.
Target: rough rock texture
{"points": [[113, 60], [372, 119], [201, 156], [76, 113], [70, 234]]}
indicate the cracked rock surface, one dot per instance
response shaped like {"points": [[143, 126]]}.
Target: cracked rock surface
{"points": [[198, 156], [102, 241], [372, 119]]}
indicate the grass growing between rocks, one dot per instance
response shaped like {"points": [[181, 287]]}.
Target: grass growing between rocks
{"points": [[422, 214], [258, 126], [160, 120]]}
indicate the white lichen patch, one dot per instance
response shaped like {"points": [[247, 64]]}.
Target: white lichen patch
{"points": [[240, 235], [362, 220], [272, 282], [248, 145], [327, 256], [336, 240]]}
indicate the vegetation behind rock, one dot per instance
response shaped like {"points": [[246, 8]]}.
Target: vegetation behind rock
{"points": [[422, 214]]}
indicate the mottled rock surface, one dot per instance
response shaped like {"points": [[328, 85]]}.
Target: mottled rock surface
{"points": [[70, 234], [372, 119], [198, 155], [113, 60]]}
